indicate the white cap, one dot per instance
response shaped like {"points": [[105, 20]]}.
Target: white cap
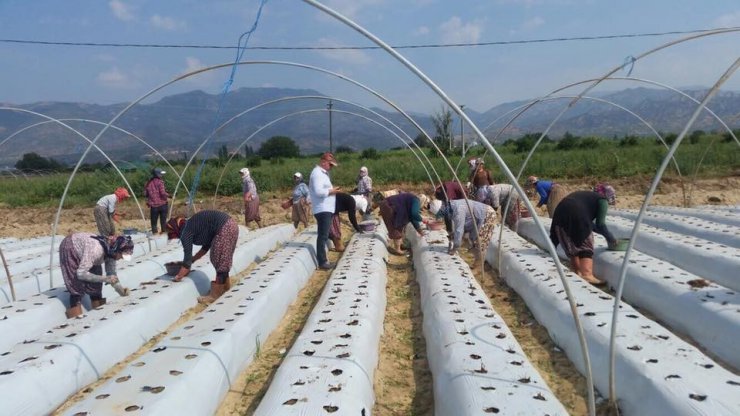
{"points": [[434, 206], [244, 171], [297, 175]]}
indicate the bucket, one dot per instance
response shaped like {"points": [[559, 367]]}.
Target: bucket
{"points": [[287, 203], [621, 245], [173, 267], [367, 226]]}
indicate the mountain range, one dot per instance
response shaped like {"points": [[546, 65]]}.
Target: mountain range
{"points": [[177, 124]]}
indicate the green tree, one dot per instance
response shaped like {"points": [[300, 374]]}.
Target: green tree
{"points": [[279, 146], [442, 122], [34, 161], [369, 153], [568, 142], [345, 149], [223, 152]]}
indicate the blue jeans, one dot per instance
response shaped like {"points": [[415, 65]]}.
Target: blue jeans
{"points": [[323, 221]]}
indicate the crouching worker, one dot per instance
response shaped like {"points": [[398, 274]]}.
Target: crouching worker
{"points": [[211, 230], [397, 211], [574, 219], [81, 256], [458, 220]]}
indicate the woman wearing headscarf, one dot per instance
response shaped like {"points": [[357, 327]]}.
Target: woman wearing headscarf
{"points": [[607, 191], [479, 177], [105, 211], [80, 258], [156, 199], [344, 203], [251, 199], [576, 216], [459, 220], [498, 195], [301, 203], [211, 230], [364, 188], [397, 211], [550, 193]]}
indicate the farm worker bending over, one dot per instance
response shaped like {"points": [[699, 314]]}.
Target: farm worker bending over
{"points": [[105, 211], [397, 211], [344, 203], [575, 217], [497, 196], [301, 203], [452, 189], [550, 193], [211, 230], [251, 199], [323, 201], [458, 220], [80, 258], [607, 191], [156, 199]]}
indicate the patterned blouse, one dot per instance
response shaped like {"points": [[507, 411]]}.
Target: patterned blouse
{"points": [[300, 191], [200, 229], [91, 253], [364, 185], [248, 185], [155, 194]]}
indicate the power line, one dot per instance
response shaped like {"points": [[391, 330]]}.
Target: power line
{"points": [[324, 48]]}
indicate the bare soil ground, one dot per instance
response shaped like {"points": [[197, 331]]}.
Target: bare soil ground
{"points": [[403, 383]]}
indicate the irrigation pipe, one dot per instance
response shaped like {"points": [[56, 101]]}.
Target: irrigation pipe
{"points": [[7, 273], [69, 182], [502, 165], [345, 102], [641, 214], [308, 112]]}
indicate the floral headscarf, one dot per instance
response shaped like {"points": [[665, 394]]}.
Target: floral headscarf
{"points": [[607, 191], [174, 227], [121, 244]]}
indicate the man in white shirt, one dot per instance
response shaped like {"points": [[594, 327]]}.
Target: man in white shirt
{"points": [[323, 201]]}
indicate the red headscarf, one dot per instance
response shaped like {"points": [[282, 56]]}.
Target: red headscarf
{"points": [[174, 227]]}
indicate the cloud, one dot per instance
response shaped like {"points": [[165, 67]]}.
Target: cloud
{"points": [[121, 10], [115, 78], [455, 31], [351, 56], [728, 20], [352, 8], [204, 79], [421, 31], [166, 23]]}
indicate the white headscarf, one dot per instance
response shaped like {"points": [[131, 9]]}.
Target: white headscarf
{"points": [[244, 172], [363, 171]]}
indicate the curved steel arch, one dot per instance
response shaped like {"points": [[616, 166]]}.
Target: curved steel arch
{"points": [[451, 103], [342, 101], [269, 124], [84, 120], [56, 221]]}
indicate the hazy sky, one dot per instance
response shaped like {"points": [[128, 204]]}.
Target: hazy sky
{"points": [[479, 77]]}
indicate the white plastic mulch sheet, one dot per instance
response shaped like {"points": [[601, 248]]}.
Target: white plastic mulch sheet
{"points": [[707, 312], [708, 230], [656, 372], [331, 365], [713, 261], [477, 365], [189, 371], [721, 217], [37, 375], [30, 274]]}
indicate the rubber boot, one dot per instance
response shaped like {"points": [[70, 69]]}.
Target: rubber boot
{"points": [[217, 289], [338, 244], [587, 271], [97, 303], [74, 311]]}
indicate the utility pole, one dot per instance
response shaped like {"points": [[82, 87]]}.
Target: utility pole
{"points": [[329, 106], [462, 137]]}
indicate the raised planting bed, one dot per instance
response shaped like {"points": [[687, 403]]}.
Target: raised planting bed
{"points": [[477, 365], [656, 372], [330, 366], [190, 371], [706, 312], [708, 230], [721, 217]]}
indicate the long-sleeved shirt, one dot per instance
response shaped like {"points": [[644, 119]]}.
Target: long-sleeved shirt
{"points": [[462, 221], [543, 188], [481, 177], [578, 214], [248, 185], [91, 253], [345, 202], [453, 190], [300, 191], [364, 185], [319, 186], [155, 194], [109, 202], [406, 208], [200, 229]]}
